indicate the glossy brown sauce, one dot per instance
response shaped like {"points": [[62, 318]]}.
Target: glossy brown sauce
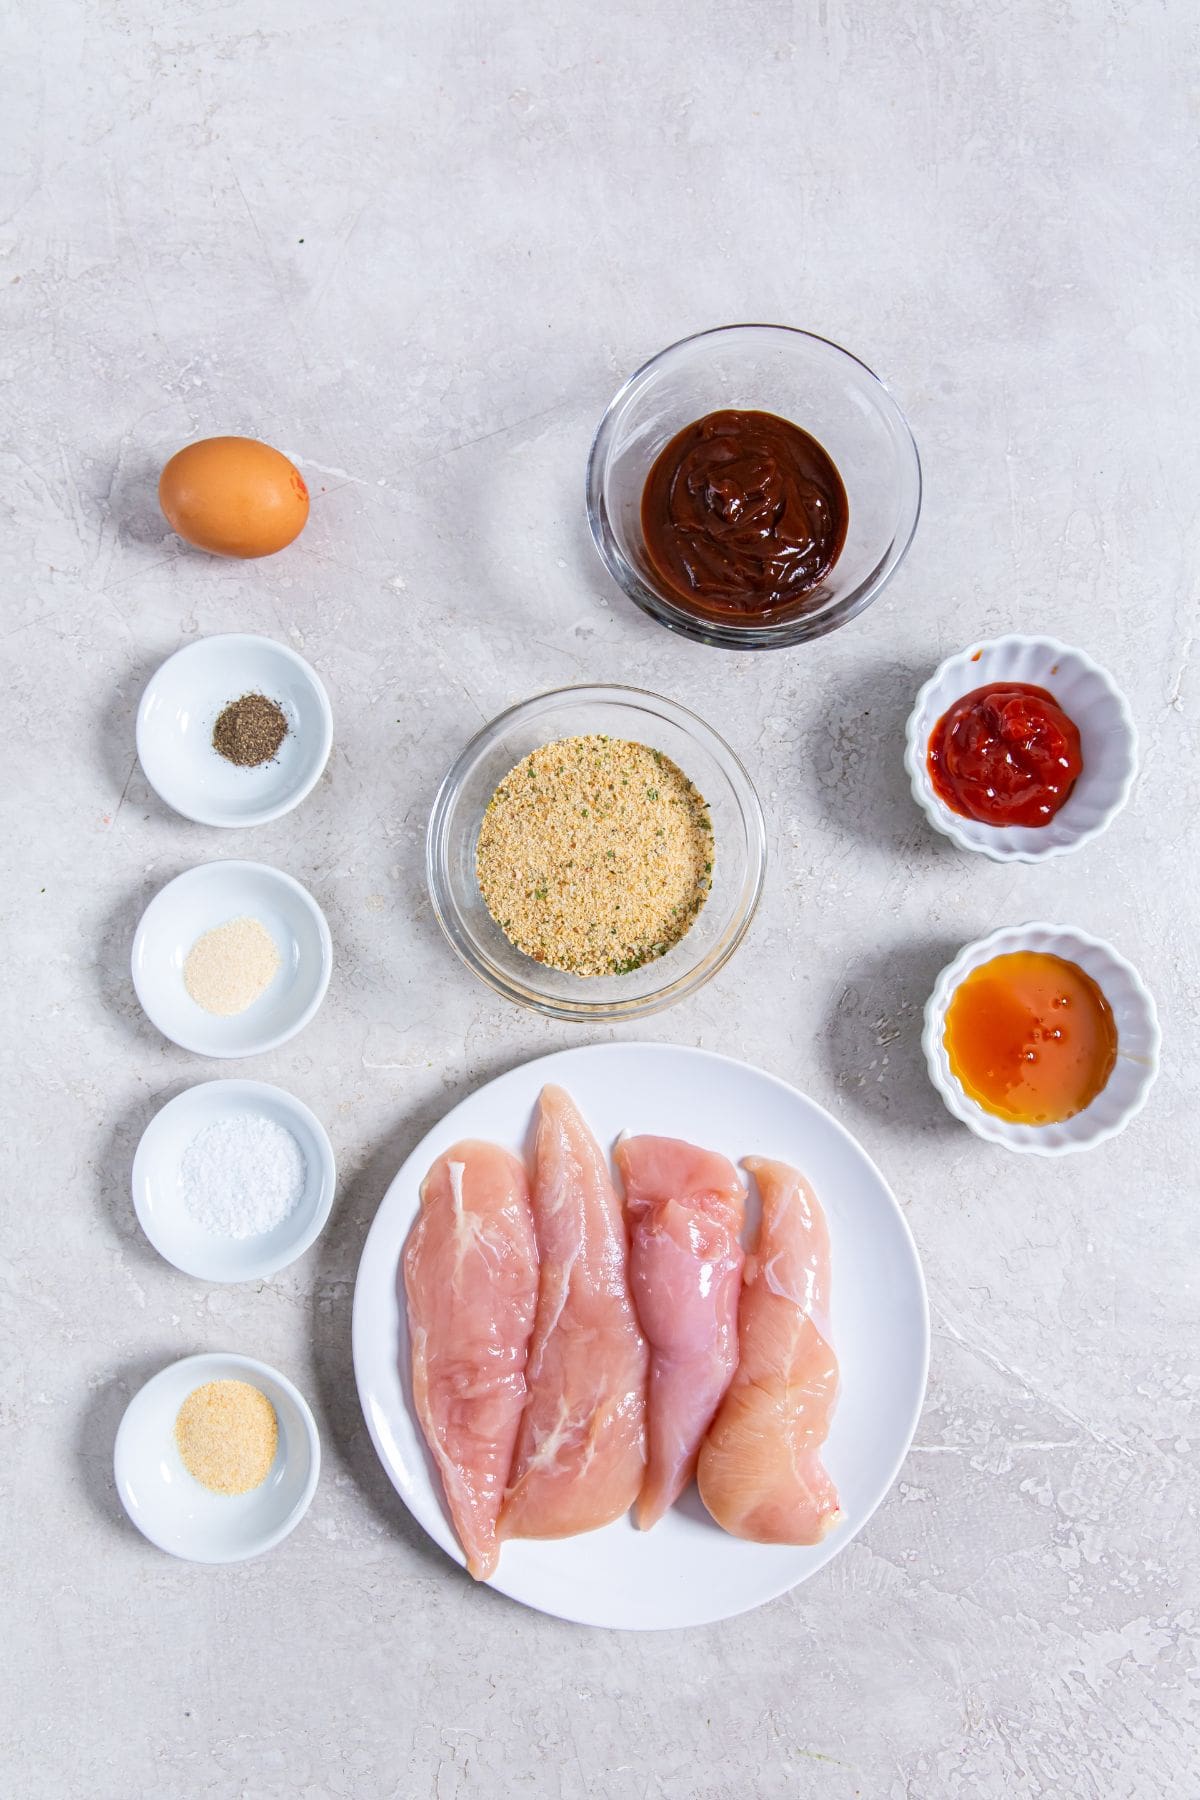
{"points": [[743, 514]]}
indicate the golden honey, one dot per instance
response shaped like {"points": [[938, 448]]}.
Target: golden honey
{"points": [[1030, 1037]]}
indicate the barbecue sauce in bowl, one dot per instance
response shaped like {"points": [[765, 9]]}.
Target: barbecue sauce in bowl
{"points": [[743, 515]]}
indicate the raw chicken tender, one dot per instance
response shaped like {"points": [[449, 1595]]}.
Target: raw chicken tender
{"points": [[471, 1278], [760, 1471], [685, 1208], [581, 1450]]}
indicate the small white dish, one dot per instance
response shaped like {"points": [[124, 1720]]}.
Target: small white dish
{"points": [[1138, 1040], [171, 1508], [1087, 694], [158, 1191], [182, 703], [212, 894]]}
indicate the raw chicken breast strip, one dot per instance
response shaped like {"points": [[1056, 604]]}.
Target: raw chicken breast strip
{"points": [[685, 1208], [760, 1471], [471, 1279], [581, 1450]]}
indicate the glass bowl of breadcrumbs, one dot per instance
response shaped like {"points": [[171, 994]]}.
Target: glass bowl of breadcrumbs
{"points": [[596, 853]]}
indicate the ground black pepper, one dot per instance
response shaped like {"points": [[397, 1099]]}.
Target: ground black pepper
{"points": [[250, 731]]}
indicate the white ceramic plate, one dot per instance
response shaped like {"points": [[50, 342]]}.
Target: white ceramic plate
{"points": [[182, 703], [686, 1571], [158, 1185], [212, 894], [171, 1508], [1087, 694], [1138, 1040]]}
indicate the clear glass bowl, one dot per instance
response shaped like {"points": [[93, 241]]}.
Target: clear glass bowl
{"points": [[765, 368], [739, 862]]}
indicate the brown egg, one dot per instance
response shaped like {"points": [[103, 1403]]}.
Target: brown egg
{"points": [[233, 496]]}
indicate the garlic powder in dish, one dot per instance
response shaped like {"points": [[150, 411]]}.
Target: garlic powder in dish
{"points": [[227, 1435]]}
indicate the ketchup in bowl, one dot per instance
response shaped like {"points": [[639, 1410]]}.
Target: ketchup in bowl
{"points": [[1006, 754]]}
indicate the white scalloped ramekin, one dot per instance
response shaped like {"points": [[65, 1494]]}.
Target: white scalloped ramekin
{"points": [[1089, 696], [1138, 1040]]}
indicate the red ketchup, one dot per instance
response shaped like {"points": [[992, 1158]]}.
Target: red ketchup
{"points": [[1005, 755]]}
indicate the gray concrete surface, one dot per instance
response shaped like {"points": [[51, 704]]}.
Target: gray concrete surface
{"points": [[418, 247]]}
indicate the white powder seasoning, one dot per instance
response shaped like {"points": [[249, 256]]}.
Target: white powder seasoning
{"points": [[242, 1176], [229, 967]]}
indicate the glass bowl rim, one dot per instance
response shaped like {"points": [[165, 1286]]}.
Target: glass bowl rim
{"points": [[701, 970], [788, 632]]}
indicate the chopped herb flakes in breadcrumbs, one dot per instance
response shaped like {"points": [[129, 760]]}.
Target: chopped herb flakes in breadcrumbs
{"points": [[595, 855]]}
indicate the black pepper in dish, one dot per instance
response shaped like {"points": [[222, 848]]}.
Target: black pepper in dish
{"points": [[249, 731]]}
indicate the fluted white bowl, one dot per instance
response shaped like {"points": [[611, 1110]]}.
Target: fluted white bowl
{"points": [[1138, 1040], [1087, 694]]}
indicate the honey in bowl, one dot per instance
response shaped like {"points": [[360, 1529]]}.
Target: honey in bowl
{"points": [[1030, 1037]]}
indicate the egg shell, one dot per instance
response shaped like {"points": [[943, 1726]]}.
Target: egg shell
{"points": [[233, 496]]}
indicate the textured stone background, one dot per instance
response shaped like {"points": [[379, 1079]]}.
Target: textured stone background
{"points": [[418, 247]]}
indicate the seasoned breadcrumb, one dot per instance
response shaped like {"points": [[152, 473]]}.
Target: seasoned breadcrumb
{"points": [[595, 854]]}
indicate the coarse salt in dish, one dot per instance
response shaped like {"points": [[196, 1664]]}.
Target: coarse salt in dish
{"points": [[242, 1176], [233, 1180]]}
